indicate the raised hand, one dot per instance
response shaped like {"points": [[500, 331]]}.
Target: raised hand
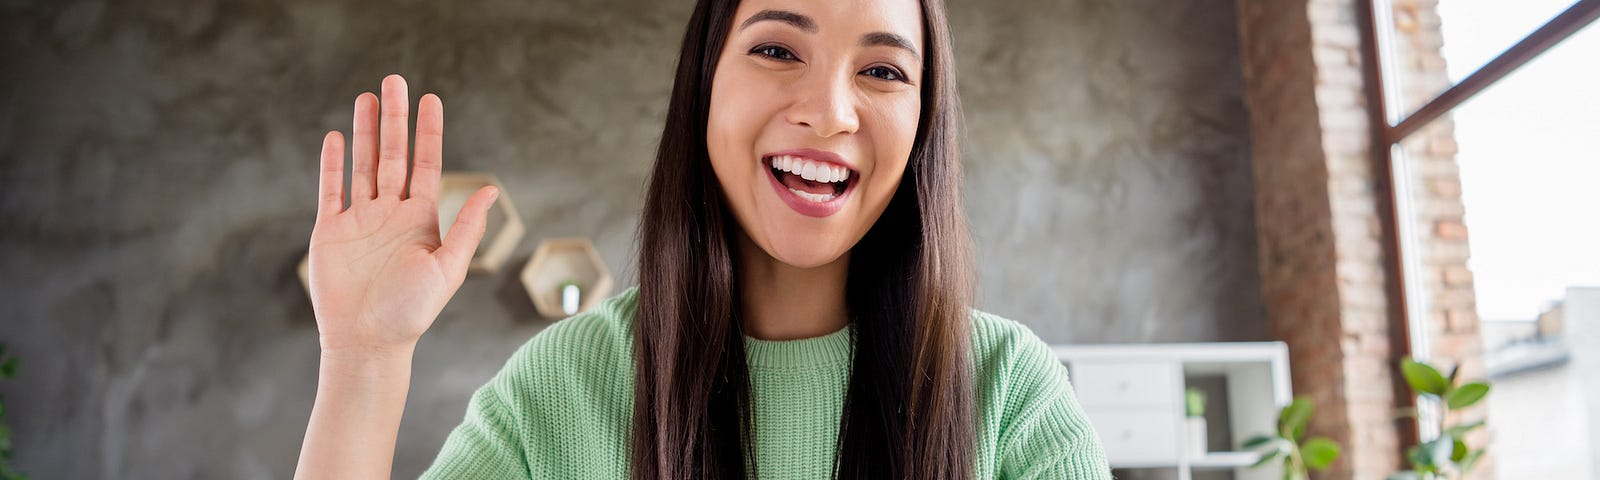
{"points": [[379, 273]]}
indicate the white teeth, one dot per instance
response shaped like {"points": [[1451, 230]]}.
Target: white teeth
{"points": [[819, 198], [811, 170]]}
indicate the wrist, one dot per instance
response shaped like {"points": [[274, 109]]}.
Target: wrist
{"points": [[366, 366], [364, 347]]}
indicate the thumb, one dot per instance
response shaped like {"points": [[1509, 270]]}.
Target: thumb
{"points": [[456, 251]]}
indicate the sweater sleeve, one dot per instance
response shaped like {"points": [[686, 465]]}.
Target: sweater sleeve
{"points": [[485, 444], [1050, 437]]}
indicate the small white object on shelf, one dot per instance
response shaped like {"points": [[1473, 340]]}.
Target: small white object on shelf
{"points": [[559, 261], [569, 298]]}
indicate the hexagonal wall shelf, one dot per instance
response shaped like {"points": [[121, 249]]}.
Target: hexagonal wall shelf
{"points": [[500, 236], [304, 271], [504, 227], [559, 261]]}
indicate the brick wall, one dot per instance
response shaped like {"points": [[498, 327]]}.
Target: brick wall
{"points": [[1321, 256]]}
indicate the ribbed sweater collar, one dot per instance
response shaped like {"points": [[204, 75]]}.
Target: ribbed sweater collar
{"points": [[830, 349]]}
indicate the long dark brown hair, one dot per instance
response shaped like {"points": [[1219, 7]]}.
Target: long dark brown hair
{"points": [[908, 409]]}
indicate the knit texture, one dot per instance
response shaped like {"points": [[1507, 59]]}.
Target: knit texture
{"points": [[562, 406]]}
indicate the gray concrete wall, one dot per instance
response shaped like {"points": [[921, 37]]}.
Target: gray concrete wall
{"points": [[157, 180]]}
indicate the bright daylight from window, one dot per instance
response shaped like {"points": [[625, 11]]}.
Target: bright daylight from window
{"points": [[1529, 156]]}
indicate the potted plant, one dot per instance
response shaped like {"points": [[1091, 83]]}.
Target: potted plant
{"points": [[1286, 444], [1194, 409], [1447, 456]]}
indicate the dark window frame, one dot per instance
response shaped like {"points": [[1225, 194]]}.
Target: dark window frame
{"points": [[1386, 135]]}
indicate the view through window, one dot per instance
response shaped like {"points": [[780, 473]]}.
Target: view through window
{"points": [[1499, 206]]}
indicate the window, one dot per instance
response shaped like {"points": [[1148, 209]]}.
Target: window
{"points": [[1494, 127]]}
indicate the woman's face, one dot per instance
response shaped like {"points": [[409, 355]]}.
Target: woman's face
{"points": [[814, 109]]}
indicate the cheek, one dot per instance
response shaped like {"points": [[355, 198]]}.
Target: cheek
{"points": [[730, 128], [893, 140]]}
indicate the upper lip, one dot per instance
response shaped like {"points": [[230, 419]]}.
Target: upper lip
{"points": [[813, 154]]}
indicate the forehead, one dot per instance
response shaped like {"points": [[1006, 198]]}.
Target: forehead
{"points": [[850, 18]]}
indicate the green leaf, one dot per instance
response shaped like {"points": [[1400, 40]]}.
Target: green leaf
{"points": [[1466, 395], [1258, 441], [1458, 451], [1423, 378], [9, 368], [1194, 402], [1419, 457], [1292, 420], [1266, 457], [1461, 430], [1319, 453]]}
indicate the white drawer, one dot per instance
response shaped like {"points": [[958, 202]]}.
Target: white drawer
{"points": [[1140, 437], [1125, 384]]}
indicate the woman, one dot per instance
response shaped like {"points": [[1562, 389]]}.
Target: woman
{"points": [[805, 283]]}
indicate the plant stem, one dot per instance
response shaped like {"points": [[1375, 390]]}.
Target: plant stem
{"points": [[1298, 464]]}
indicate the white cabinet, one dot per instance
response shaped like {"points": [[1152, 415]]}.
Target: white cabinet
{"points": [[1134, 397], [1136, 437], [1126, 384]]}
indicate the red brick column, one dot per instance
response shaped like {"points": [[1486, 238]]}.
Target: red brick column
{"points": [[1322, 256]]}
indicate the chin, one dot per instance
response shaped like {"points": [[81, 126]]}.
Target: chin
{"points": [[805, 249]]}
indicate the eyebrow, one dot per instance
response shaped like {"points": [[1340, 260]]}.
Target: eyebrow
{"points": [[886, 39], [805, 24], [799, 21]]}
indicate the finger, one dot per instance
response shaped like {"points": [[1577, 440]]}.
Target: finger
{"points": [[392, 137], [456, 251], [364, 149], [428, 161], [329, 187]]}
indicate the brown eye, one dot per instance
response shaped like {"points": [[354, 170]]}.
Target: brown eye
{"points": [[884, 73], [774, 52]]}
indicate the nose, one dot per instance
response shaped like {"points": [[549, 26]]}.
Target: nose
{"points": [[825, 103]]}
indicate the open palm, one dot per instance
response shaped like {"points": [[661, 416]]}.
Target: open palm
{"points": [[379, 272]]}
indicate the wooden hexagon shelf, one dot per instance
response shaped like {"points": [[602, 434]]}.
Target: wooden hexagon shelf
{"points": [[304, 271], [504, 227], [563, 260]]}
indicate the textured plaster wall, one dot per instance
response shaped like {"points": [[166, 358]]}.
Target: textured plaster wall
{"points": [[157, 181]]}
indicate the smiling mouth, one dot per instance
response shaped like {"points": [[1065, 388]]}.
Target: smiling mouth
{"points": [[808, 179]]}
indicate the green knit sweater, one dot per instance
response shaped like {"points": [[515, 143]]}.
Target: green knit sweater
{"points": [[562, 406]]}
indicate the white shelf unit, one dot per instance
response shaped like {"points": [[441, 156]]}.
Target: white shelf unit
{"points": [[1134, 396]]}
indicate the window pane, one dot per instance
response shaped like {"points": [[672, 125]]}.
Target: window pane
{"points": [[1434, 44], [1514, 174]]}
